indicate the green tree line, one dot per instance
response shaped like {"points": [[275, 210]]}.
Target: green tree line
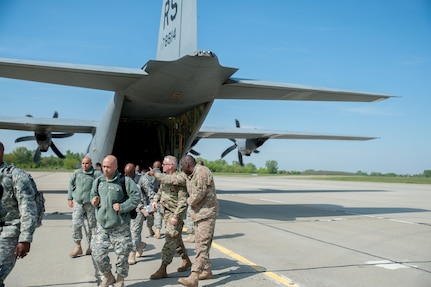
{"points": [[23, 158]]}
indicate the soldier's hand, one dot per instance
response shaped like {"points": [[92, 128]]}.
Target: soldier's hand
{"points": [[154, 205], [22, 249], [70, 203], [116, 207], [174, 221], [95, 201], [150, 171]]}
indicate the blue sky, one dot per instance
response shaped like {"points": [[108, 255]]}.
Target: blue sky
{"points": [[369, 46]]}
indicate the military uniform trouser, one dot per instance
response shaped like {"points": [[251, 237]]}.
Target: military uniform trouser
{"points": [[79, 214], [158, 218], [204, 233], [173, 239], [120, 238], [7, 256], [150, 220], [136, 230], [188, 222]]}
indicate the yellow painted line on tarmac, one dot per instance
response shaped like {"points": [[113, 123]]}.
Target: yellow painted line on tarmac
{"points": [[256, 267]]}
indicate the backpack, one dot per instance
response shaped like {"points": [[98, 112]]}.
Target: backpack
{"points": [[133, 212], [39, 198]]}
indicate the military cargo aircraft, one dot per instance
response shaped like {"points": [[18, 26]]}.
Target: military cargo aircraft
{"points": [[167, 99]]}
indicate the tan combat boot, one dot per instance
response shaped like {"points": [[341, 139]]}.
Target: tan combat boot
{"points": [[191, 281], [185, 264], [190, 238], [140, 249], [120, 281], [206, 274], [108, 279], [132, 260], [160, 273], [157, 233], [77, 251]]}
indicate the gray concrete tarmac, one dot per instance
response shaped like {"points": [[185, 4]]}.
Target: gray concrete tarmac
{"points": [[271, 231]]}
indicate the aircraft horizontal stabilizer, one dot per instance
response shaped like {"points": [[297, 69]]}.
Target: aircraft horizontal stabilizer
{"points": [[243, 89], [75, 75]]}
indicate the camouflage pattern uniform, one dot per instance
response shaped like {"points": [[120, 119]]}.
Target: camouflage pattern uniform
{"points": [[113, 227], [18, 216], [80, 184], [158, 215], [136, 224], [203, 210], [172, 200]]}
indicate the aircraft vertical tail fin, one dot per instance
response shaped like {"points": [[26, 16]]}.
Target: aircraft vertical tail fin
{"points": [[178, 29]]}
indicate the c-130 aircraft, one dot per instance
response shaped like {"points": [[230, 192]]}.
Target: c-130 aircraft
{"points": [[167, 99]]}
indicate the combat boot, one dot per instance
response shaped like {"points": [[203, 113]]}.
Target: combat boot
{"points": [[88, 252], [108, 279], [190, 238], [132, 260], [191, 281], [120, 281], [206, 274], [185, 264], [77, 251], [150, 229], [140, 249], [160, 273], [157, 233]]}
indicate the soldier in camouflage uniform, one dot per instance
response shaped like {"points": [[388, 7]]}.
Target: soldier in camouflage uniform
{"points": [[78, 198], [156, 219], [113, 206], [204, 211], [136, 223], [18, 217], [173, 202]]}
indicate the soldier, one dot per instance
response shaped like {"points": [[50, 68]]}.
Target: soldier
{"points": [[113, 199], [157, 217], [204, 210], [172, 201], [136, 223], [78, 198], [18, 216]]}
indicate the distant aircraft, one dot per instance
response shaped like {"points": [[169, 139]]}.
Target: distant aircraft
{"points": [[167, 100]]}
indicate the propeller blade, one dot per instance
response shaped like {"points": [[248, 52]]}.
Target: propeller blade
{"points": [[64, 135], [26, 138], [228, 150], [193, 152], [241, 163], [36, 155], [56, 151]]}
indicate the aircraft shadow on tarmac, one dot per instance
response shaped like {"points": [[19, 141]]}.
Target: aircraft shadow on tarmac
{"points": [[291, 212]]}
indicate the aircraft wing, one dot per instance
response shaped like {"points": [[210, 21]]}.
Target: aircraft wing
{"points": [[244, 89], [48, 124], [218, 132], [76, 75]]}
